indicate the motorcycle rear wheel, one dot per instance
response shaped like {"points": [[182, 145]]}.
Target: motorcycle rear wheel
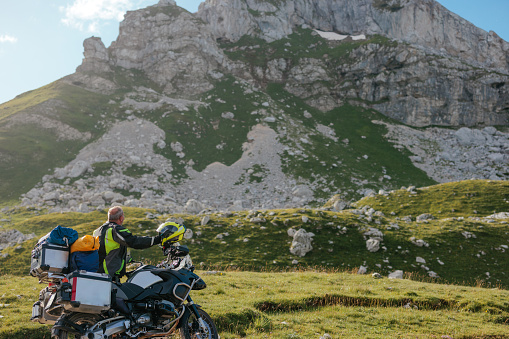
{"points": [[191, 329], [79, 319]]}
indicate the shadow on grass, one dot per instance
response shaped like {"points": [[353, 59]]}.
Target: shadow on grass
{"points": [[330, 300], [42, 332], [236, 322]]}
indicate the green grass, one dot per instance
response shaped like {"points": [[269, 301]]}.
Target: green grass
{"points": [[262, 294], [27, 100], [454, 199], [339, 240], [303, 43], [201, 131], [308, 304], [339, 162], [33, 152]]}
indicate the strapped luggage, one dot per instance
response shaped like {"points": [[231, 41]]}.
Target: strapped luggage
{"points": [[85, 244], [48, 258], [85, 254], [85, 261], [62, 236], [51, 253]]}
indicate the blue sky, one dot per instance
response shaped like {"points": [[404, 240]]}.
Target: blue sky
{"points": [[42, 40]]}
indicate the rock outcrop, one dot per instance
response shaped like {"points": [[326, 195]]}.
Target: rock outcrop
{"points": [[173, 47], [447, 72], [13, 237], [301, 243], [411, 60], [418, 22]]}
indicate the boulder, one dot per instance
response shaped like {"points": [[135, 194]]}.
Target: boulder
{"points": [[468, 235], [467, 136], [374, 233], [50, 196], [339, 205], [227, 115], [501, 215], [188, 234], [258, 220], [205, 220], [79, 168], [193, 206], [373, 245], [301, 243], [425, 216], [396, 275], [433, 274], [177, 147], [83, 208]]}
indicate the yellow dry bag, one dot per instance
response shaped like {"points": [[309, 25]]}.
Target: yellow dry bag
{"points": [[85, 243]]}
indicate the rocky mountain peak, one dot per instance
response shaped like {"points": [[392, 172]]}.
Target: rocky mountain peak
{"points": [[173, 47], [304, 82], [167, 3], [424, 23]]}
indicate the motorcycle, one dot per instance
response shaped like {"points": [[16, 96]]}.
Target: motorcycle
{"points": [[154, 302]]}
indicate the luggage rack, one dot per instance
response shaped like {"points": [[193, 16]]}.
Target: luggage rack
{"points": [[50, 277]]}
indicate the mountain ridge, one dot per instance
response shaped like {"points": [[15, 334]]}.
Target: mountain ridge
{"points": [[206, 95], [405, 20]]}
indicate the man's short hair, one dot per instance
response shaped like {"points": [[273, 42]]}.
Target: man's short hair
{"points": [[115, 213]]}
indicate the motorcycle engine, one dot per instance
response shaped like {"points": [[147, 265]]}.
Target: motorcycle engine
{"points": [[144, 319], [166, 308]]}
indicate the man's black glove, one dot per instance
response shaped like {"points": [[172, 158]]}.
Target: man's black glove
{"points": [[157, 240]]}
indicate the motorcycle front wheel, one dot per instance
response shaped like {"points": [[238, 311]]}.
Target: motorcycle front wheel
{"points": [[78, 319], [191, 328]]}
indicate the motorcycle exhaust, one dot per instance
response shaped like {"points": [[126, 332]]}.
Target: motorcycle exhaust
{"points": [[36, 312], [159, 334], [164, 334], [102, 332]]}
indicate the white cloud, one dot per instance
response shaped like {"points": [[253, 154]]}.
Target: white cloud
{"points": [[8, 38], [88, 13]]}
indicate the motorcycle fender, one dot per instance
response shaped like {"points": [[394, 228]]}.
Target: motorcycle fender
{"points": [[66, 325]]}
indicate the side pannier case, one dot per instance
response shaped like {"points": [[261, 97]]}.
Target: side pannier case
{"points": [[48, 258], [86, 292]]}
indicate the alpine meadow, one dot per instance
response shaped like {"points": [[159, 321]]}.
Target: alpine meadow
{"points": [[341, 168]]}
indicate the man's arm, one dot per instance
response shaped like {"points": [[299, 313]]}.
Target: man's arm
{"points": [[124, 237]]}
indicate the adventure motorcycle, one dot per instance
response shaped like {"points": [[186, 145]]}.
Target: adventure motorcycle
{"points": [[154, 302]]}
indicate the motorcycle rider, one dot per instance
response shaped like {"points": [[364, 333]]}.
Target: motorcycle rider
{"points": [[114, 240]]}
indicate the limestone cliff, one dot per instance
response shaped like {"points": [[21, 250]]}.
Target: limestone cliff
{"points": [[418, 22], [276, 103], [440, 70]]}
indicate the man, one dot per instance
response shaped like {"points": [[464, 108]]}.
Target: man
{"points": [[114, 240]]}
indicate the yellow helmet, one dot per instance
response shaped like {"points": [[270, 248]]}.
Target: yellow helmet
{"points": [[170, 232]]}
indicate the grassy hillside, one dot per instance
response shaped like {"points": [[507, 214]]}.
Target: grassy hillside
{"points": [[278, 299], [454, 199], [366, 161], [233, 240], [27, 151], [309, 304]]}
